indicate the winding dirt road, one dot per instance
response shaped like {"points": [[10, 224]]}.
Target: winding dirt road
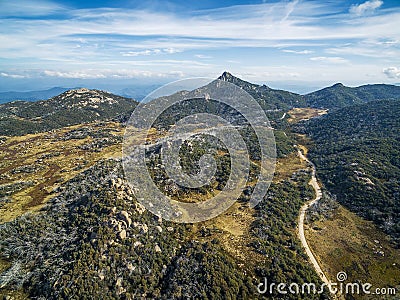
{"points": [[318, 194]]}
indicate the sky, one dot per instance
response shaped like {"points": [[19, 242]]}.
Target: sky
{"points": [[297, 45]]}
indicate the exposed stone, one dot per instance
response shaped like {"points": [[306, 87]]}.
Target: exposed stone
{"points": [[144, 229], [101, 275], [159, 228], [119, 288], [123, 224], [122, 234], [130, 267], [137, 244], [157, 248], [125, 217], [140, 208]]}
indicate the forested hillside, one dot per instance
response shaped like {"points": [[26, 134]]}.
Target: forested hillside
{"points": [[357, 153], [338, 95]]}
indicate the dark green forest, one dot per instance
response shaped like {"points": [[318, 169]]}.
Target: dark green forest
{"points": [[357, 154]]}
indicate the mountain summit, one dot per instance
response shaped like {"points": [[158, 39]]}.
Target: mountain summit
{"points": [[268, 98]]}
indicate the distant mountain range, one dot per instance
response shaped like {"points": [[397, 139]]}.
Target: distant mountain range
{"points": [[333, 97], [84, 105], [138, 92], [31, 95]]}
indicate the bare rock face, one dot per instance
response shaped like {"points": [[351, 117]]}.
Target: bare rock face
{"points": [[144, 228], [137, 244], [119, 288], [157, 248], [101, 275], [159, 228], [123, 215], [130, 267], [122, 234], [140, 208]]}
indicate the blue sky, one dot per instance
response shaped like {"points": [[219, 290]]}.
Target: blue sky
{"points": [[285, 44]]}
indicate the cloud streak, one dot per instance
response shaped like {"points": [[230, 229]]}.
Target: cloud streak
{"points": [[366, 7], [15, 76], [62, 42], [330, 59], [298, 51]]}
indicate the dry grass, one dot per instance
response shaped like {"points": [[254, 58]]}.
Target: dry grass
{"points": [[35, 151], [285, 167], [348, 243], [300, 114], [232, 229]]}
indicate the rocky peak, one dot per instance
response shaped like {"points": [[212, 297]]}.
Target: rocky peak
{"points": [[84, 97], [338, 85], [226, 76]]}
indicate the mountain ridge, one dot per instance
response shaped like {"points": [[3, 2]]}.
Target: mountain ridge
{"points": [[85, 105], [31, 95], [268, 98], [339, 95], [69, 108]]}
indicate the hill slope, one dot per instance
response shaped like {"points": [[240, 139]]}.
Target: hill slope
{"points": [[69, 108], [357, 153], [268, 98], [338, 95]]}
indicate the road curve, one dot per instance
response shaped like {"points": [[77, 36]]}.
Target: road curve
{"points": [[318, 194]]}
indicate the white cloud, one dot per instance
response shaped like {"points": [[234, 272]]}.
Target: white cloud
{"points": [[298, 52], [369, 48], [152, 52], [290, 9], [142, 53], [75, 74], [172, 50], [392, 72], [15, 76], [366, 7], [330, 59], [116, 38], [28, 8], [366, 51], [202, 56], [108, 73]]}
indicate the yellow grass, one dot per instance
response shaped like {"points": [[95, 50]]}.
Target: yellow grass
{"points": [[286, 166], [348, 243], [300, 114], [52, 171]]}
